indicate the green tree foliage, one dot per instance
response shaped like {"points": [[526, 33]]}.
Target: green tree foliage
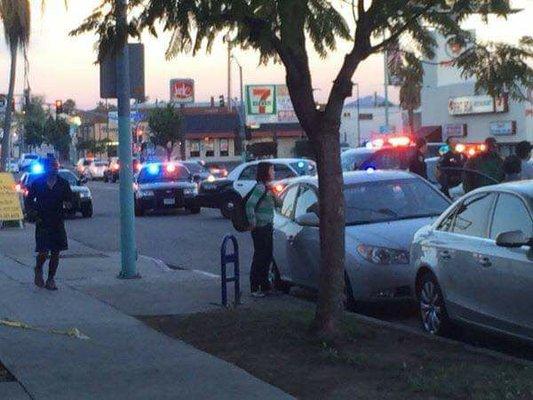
{"points": [[57, 134], [33, 121], [69, 106], [284, 31], [166, 128]]}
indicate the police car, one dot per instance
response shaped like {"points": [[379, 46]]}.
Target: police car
{"points": [[161, 186], [223, 193]]}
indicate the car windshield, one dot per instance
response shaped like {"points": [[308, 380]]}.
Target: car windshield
{"points": [[304, 167], [69, 177], [158, 173], [352, 160], [195, 168], [391, 200]]}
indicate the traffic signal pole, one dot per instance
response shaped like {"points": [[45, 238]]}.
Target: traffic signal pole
{"points": [[127, 217]]}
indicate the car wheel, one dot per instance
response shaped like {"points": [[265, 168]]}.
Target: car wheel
{"points": [[433, 314], [227, 207], [276, 281], [87, 210], [194, 210]]}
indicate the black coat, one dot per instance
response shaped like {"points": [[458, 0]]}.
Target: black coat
{"points": [[418, 165], [46, 205]]}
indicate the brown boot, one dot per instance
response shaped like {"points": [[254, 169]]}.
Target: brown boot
{"points": [[38, 280]]}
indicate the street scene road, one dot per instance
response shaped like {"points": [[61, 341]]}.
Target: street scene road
{"points": [[178, 238]]}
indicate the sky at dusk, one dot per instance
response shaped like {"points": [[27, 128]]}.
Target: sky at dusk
{"points": [[63, 67]]}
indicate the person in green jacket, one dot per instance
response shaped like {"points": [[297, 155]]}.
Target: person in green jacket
{"points": [[484, 169], [260, 215]]}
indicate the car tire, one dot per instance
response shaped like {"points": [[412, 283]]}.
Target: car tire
{"points": [[87, 210], [277, 282], [227, 207], [194, 210], [431, 306]]}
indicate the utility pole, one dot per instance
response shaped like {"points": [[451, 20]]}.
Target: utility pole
{"points": [[127, 218], [229, 70], [386, 82]]}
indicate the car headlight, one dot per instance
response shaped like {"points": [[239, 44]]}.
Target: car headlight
{"points": [[146, 193], [190, 191], [383, 255]]}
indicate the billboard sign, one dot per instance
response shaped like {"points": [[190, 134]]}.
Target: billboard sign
{"points": [[498, 128], [108, 73], [454, 130], [261, 99], [269, 104], [182, 91], [468, 105]]}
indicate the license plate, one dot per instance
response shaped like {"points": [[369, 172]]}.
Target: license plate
{"points": [[169, 202]]}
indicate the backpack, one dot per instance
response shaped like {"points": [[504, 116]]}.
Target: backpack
{"points": [[239, 219]]}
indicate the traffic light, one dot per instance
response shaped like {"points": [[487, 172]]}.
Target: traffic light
{"points": [[59, 107], [221, 101]]}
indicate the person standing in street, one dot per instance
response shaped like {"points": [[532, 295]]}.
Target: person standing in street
{"points": [[45, 203], [418, 162], [260, 215], [484, 169], [449, 167], [523, 151]]}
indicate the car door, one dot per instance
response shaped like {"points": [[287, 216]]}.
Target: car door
{"points": [[246, 181], [284, 230], [306, 243], [508, 272], [456, 255]]}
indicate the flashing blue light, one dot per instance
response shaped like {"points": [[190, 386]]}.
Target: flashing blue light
{"points": [[153, 169], [301, 165], [370, 170], [37, 168]]}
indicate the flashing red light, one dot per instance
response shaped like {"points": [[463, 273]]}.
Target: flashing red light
{"points": [[399, 141], [472, 152], [171, 168], [18, 188], [460, 148]]}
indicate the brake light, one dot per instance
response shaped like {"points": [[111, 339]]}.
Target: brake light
{"points": [[278, 188], [472, 152], [482, 147]]}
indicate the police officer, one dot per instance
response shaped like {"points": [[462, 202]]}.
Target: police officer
{"points": [[449, 167], [45, 201], [418, 162]]}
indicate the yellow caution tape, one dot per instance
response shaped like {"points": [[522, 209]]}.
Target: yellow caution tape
{"points": [[71, 332]]}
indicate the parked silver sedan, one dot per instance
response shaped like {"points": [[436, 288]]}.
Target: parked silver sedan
{"points": [[475, 263], [384, 209]]}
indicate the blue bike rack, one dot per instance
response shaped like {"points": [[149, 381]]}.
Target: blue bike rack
{"points": [[225, 259]]}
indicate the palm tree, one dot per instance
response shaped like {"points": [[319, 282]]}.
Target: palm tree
{"points": [[16, 18]]}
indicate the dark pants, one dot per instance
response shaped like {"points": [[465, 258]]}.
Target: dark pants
{"points": [[262, 237]]}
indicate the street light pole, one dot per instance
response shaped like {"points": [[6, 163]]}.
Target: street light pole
{"points": [[127, 217], [229, 71]]}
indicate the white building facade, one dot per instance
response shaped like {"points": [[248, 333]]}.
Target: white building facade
{"points": [[450, 103]]}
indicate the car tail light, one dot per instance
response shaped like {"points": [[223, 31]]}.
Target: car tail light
{"points": [[471, 152], [278, 188], [460, 148]]}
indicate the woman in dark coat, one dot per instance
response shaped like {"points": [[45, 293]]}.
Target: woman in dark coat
{"points": [[45, 202]]}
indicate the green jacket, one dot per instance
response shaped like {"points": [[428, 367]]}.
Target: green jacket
{"points": [[260, 206], [490, 166]]}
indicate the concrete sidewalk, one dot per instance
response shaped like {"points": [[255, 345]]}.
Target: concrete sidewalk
{"points": [[123, 358]]}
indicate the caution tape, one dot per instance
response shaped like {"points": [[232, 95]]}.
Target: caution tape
{"points": [[71, 332]]}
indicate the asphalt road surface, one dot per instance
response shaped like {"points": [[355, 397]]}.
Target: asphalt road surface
{"points": [[178, 238]]}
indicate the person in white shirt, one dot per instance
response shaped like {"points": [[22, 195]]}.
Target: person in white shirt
{"points": [[523, 151]]}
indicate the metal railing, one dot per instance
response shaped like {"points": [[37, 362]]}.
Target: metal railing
{"points": [[226, 259]]}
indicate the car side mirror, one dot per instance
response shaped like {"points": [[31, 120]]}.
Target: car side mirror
{"points": [[513, 239], [308, 219]]}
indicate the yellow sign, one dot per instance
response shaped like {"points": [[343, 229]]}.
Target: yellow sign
{"points": [[10, 209]]}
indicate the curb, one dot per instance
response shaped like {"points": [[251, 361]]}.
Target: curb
{"points": [[413, 331]]}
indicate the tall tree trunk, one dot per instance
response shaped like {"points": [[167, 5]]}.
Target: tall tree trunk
{"points": [[6, 146], [411, 117], [332, 224]]}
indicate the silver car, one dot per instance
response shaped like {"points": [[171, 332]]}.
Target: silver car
{"points": [[384, 209], [474, 265]]}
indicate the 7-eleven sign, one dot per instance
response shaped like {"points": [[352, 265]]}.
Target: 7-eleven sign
{"points": [[261, 99]]}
